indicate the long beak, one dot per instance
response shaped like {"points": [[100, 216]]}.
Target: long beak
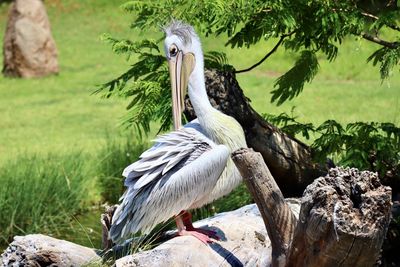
{"points": [[180, 68]]}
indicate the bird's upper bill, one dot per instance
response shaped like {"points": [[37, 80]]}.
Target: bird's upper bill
{"points": [[181, 63]]}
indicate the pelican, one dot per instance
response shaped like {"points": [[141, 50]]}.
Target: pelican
{"points": [[189, 167]]}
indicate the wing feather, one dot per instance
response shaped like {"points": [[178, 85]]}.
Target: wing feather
{"points": [[159, 185], [148, 177], [169, 150]]}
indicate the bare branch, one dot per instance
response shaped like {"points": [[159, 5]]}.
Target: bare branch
{"points": [[273, 50], [394, 27], [369, 15], [375, 39]]}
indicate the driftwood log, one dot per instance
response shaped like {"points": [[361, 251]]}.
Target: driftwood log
{"points": [[343, 218], [41, 250], [278, 217], [288, 159]]}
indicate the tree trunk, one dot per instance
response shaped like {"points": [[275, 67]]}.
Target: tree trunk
{"points": [[289, 160], [343, 218]]}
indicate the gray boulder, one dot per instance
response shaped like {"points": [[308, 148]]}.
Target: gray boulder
{"points": [[40, 250], [29, 49], [244, 242]]}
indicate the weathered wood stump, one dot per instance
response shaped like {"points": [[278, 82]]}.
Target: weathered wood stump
{"points": [[343, 219]]}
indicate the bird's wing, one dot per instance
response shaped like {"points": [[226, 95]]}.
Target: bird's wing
{"points": [[180, 169]]}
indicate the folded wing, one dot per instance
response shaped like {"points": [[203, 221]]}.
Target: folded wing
{"points": [[180, 169]]}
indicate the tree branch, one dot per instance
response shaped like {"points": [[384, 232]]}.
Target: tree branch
{"points": [[273, 50], [394, 27], [375, 39], [277, 215]]}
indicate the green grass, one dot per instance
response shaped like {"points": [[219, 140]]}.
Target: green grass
{"points": [[114, 157], [40, 194], [59, 113], [53, 130]]}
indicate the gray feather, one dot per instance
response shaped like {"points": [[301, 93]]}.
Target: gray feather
{"points": [[168, 183]]}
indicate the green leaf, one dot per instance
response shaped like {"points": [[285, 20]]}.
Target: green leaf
{"points": [[292, 82], [217, 60], [388, 58]]}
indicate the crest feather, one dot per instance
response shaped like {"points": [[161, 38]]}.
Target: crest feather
{"points": [[184, 31]]}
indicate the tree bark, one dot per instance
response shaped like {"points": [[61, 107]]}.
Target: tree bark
{"points": [[278, 217], [343, 218], [289, 160]]}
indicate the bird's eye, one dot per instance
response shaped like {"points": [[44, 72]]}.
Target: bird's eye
{"points": [[173, 51]]}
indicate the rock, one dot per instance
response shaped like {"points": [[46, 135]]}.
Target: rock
{"points": [[41, 250], [29, 49], [244, 242]]}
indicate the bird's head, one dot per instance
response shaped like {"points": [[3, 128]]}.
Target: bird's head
{"points": [[183, 51]]}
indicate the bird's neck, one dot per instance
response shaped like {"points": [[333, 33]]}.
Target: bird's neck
{"points": [[221, 128], [199, 99], [198, 95]]}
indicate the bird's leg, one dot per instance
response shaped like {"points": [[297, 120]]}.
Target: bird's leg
{"points": [[182, 231], [187, 222]]}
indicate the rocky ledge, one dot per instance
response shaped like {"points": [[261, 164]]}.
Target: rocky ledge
{"points": [[244, 242]]}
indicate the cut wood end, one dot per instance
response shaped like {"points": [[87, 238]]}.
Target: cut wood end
{"points": [[355, 201], [239, 152]]}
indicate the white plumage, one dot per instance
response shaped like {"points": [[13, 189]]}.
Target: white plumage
{"points": [[189, 167]]}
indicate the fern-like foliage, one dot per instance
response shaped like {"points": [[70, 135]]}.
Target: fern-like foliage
{"points": [[387, 58], [307, 28], [314, 25], [374, 146], [292, 82], [366, 145], [146, 83], [290, 125]]}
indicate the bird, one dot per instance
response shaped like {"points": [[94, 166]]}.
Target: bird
{"points": [[188, 167]]}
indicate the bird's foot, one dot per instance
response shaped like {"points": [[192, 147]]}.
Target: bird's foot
{"points": [[210, 233], [185, 227], [200, 236]]}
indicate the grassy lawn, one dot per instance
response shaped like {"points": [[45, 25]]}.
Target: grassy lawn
{"points": [[58, 115]]}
